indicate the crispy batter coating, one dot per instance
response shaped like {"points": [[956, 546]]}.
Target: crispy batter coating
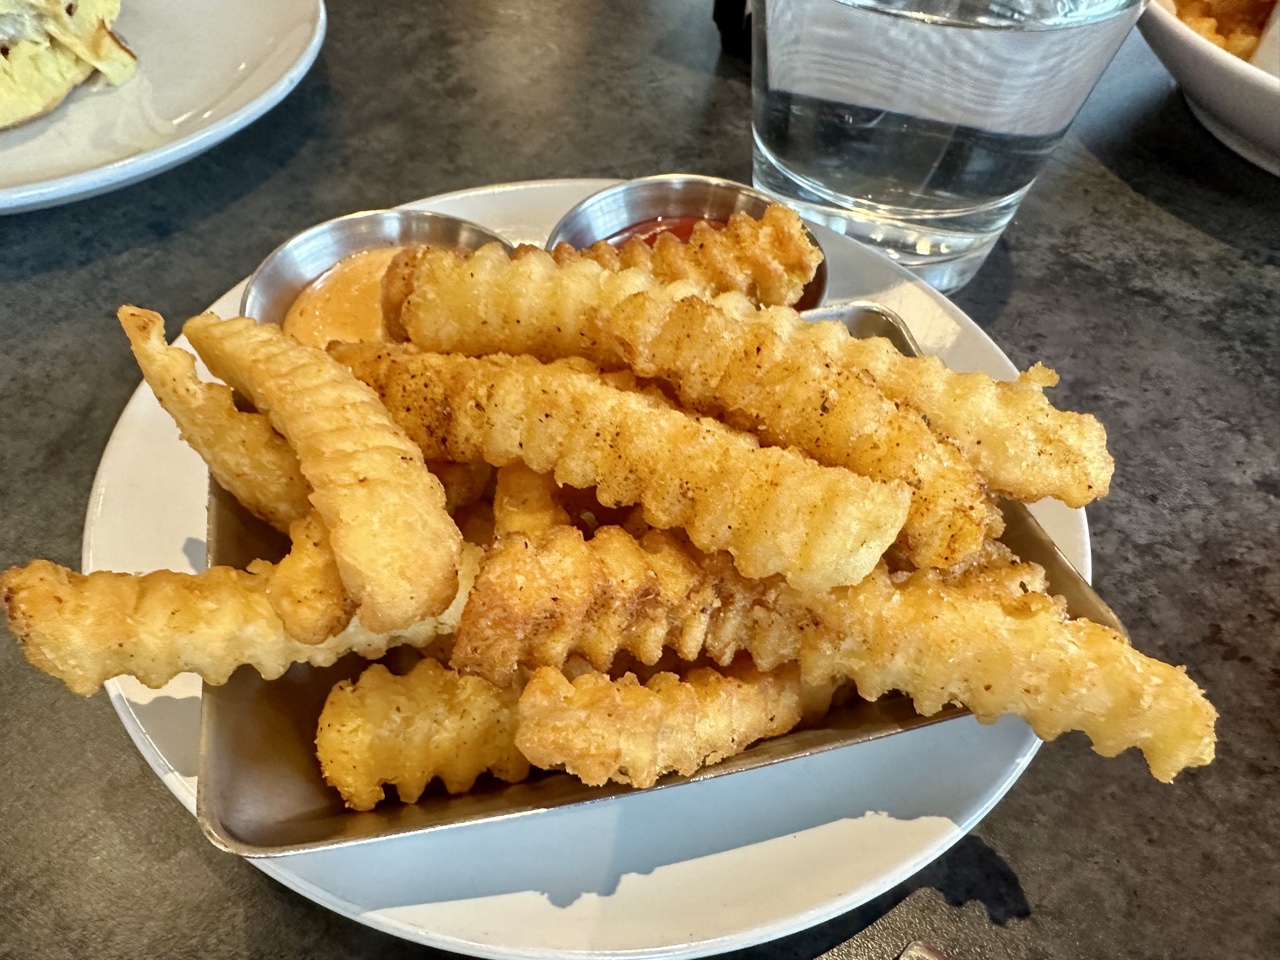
{"points": [[530, 502], [774, 510], [547, 595], [990, 638], [985, 634], [86, 629], [1023, 446], [245, 456], [305, 589], [758, 375], [769, 260], [1008, 431], [484, 303], [525, 502], [406, 731], [396, 546], [600, 729]]}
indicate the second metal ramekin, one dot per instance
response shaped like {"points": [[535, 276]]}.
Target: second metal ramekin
{"points": [[612, 210]]}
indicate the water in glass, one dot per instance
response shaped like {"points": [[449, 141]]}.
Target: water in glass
{"points": [[919, 125]]}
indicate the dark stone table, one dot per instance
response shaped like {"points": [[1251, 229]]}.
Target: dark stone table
{"points": [[1144, 266]]}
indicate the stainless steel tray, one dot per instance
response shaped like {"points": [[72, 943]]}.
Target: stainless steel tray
{"points": [[261, 794], [260, 790]]}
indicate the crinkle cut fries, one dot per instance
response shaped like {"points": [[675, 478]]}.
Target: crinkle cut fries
{"points": [[710, 521]]}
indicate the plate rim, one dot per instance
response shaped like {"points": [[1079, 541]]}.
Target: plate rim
{"points": [[103, 178], [379, 919]]}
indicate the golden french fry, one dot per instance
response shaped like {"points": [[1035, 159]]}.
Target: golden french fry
{"points": [[529, 502], [545, 596], [772, 509], [305, 589], [1023, 446], [600, 729], [756, 376], [406, 731], [525, 502], [986, 635], [245, 456], [396, 546], [1008, 431], [482, 303], [86, 629], [991, 639], [1235, 25], [769, 260]]}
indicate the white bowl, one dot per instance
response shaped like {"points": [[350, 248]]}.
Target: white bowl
{"points": [[1237, 102]]}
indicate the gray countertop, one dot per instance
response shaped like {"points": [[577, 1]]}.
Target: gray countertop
{"points": [[1144, 267]]}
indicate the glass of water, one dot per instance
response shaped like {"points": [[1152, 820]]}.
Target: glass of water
{"points": [[917, 126]]}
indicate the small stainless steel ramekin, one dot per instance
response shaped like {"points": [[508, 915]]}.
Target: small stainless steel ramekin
{"points": [[610, 211], [297, 262]]}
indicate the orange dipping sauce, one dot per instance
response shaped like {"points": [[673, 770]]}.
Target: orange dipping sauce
{"points": [[343, 303], [649, 230]]}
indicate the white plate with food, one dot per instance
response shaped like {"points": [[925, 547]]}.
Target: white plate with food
{"points": [[1228, 66], [710, 866], [202, 73]]}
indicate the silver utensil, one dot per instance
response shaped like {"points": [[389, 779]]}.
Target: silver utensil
{"points": [[1022, 532]]}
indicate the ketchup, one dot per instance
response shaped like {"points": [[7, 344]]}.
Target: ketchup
{"points": [[649, 230]]}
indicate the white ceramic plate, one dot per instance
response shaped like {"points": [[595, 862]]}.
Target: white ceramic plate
{"points": [[1237, 102], [677, 873], [205, 70]]}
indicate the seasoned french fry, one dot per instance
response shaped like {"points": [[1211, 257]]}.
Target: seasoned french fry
{"points": [[986, 635], [1023, 446], [773, 510], [482, 303], [245, 456], [86, 629], [769, 260], [525, 502], [406, 731], [396, 547], [305, 589], [529, 502], [545, 596], [600, 729], [991, 639], [1008, 431], [753, 374]]}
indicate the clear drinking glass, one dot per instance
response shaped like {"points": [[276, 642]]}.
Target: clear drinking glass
{"points": [[917, 126]]}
